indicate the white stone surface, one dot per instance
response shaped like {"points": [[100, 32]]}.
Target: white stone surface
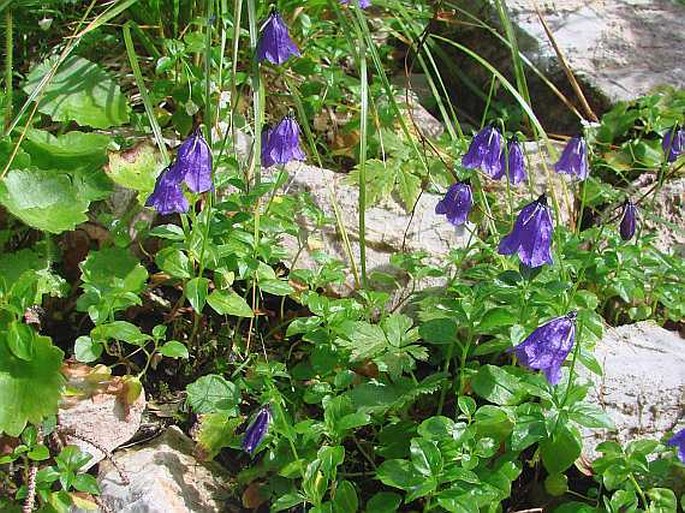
{"points": [[164, 478], [643, 386], [625, 48]]}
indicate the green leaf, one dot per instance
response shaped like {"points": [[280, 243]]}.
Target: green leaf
{"points": [[80, 91], [345, 500], [493, 422], [168, 231], [196, 292], [87, 350], [590, 416], [39, 453], [663, 500], [398, 474], [287, 501], [67, 151], [456, 500], [20, 340], [30, 390], [408, 187], [384, 502], [229, 303], [217, 430], [137, 169], [86, 483], [213, 393], [496, 319], [498, 386], [426, 457], [576, 507], [120, 330], [174, 349], [44, 199], [561, 450], [175, 262], [276, 287]]}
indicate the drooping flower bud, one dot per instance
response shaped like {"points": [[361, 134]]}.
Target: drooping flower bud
{"points": [[281, 144], [275, 44], [678, 440], [194, 160], [257, 430], [531, 236], [548, 346], [167, 197], [456, 204], [513, 162], [628, 220], [485, 151], [674, 143], [573, 160]]}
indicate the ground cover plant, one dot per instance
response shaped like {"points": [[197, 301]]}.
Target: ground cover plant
{"points": [[144, 161]]}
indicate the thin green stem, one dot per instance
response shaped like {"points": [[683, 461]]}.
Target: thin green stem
{"points": [[363, 135], [9, 53], [257, 95]]}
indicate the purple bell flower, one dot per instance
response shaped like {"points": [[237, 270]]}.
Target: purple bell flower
{"points": [[168, 198], [281, 144], [363, 4], [456, 204], [513, 162], [674, 143], [256, 431], [573, 160], [194, 159], [548, 346], [628, 220], [531, 236], [485, 152], [678, 440], [275, 44]]}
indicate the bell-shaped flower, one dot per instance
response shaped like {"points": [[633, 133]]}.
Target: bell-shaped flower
{"points": [[548, 346], [485, 152], [363, 4], [678, 440], [573, 160], [674, 143], [194, 160], [531, 236], [281, 144], [167, 197], [274, 43], [257, 430], [628, 220], [456, 204], [514, 162]]}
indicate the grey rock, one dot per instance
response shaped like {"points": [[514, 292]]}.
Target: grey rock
{"points": [[666, 213], [643, 386], [622, 48], [164, 477]]}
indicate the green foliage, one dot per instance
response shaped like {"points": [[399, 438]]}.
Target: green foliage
{"points": [[79, 91]]}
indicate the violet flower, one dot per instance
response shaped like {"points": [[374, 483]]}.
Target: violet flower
{"points": [[168, 198], [363, 4], [275, 44], [678, 440], [281, 144], [531, 236], [485, 152], [194, 159], [628, 220], [548, 346], [573, 160], [456, 204], [513, 162], [257, 430], [674, 143]]}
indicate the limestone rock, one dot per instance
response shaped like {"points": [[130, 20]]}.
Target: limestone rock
{"points": [[623, 48], [96, 411], [643, 386], [164, 477]]}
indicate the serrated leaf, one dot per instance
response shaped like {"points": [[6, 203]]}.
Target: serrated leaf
{"points": [[136, 169], [87, 350], [229, 303], [276, 287], [561, 450], [30, 390], [408, 187], [498, 386], [213, 393], [20, 339], [79, 91], [67, 151], [174, 261], [217, 431]]}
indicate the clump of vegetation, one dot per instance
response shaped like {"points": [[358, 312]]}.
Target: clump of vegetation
{"points": [[143, 158]]}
